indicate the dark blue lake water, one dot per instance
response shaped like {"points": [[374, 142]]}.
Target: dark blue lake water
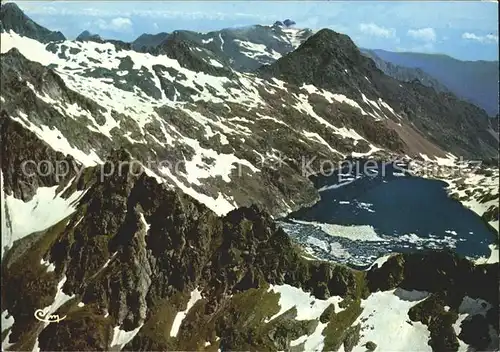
{"points": [[371, 210]]}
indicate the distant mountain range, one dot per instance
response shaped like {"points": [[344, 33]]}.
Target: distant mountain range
{"points": [[246, 49], [405, 74], [474, 81]]}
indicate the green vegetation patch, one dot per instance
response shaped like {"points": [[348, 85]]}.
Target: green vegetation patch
{"points": [[339, 329]]}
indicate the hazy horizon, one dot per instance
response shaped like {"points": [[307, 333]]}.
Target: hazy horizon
{"points": [[463, 30]]}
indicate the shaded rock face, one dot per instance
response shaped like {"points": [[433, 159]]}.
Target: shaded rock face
{"points": [[190, 55], [494, 122], [188, 242], [13, 19], [435, 271], [134, 249]]}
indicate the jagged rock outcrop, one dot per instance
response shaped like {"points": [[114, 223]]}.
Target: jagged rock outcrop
{"points": [[190, 55]]}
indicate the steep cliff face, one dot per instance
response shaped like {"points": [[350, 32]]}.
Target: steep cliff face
{"points": [[21, 178]]}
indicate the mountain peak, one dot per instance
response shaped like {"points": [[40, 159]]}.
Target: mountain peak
{"points": [[84, 33], [87, 36], [10, 6], [148, 41], [285, 23], [12, 18], [329, 39]]}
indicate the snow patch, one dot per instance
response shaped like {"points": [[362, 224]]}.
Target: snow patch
{"points": [[50, 266], [468, 308], [7, 322], [122, 337], [57, 141], [195, 296], [220, 205]]}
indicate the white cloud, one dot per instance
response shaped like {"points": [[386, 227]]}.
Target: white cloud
{"points": [[485, 39], [424, 48], [424, 34], [377, 31], [116, 24]]}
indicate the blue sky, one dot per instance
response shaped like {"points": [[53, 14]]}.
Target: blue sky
{"points": [[465, 30]]}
